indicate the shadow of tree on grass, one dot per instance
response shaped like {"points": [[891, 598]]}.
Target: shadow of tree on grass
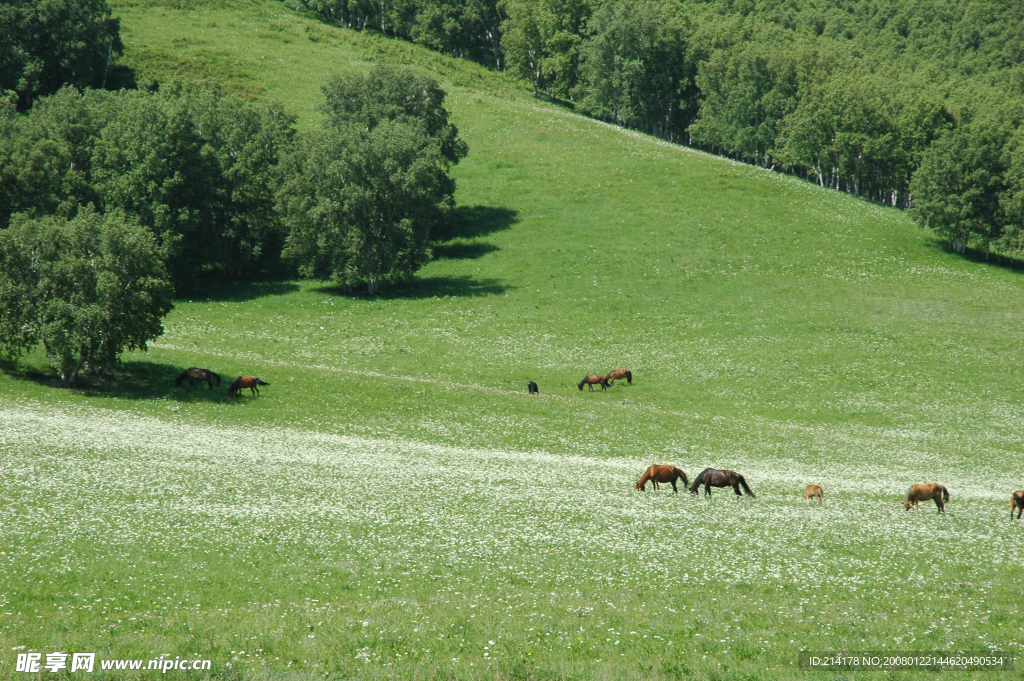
{"points": [[131, 380], [223, 290], [418, 288], [463, 251], [438, 287], [453, 242], [978, 255], [469, 222]]}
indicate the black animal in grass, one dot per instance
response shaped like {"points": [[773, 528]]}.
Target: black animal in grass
{"points": [[711, 477], [250, 382], [193, 374], [532, 387]]}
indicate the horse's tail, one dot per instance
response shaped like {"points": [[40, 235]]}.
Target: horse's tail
{"points": [[681, 473], [745, 487], [582, 383], [260, 381], [945, 493], [629, 377], [216, 376]]}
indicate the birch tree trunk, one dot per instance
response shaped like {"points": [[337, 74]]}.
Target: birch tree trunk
{"points": [[67, 380]]}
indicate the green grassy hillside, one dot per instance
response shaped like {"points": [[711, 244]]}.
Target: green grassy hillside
{"points": [[580, 247], [395, 503]]}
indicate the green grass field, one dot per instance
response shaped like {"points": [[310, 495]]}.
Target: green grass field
{"points": [[395, 505]]}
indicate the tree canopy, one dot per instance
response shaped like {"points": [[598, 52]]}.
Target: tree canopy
{"points": [[195, 165], [88, 289], [47, 44], [364, 194], [635, 69]]}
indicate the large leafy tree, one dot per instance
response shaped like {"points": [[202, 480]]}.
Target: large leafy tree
{"points": [[152, 163], [957, 187], [191, 162], [198, 167], [541, 40], [46, 157], [387, 93], [634, 69], [464, 28], [1011, 201], [467, 28], [46, 44], [748, 91], [245, 142], [87, 289], [365, 193], [846, 133]]}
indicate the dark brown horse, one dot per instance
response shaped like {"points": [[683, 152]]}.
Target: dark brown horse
{"points": [[591, 379], [712, 477], [923, 492], [620, 373], [250, 382], [193, 374], [655, 474], [1017, 503]]}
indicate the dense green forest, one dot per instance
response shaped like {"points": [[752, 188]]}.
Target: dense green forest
{"points": [[914, 103]]}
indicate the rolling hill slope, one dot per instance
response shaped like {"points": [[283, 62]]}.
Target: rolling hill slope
{"points": [[582, 247]]}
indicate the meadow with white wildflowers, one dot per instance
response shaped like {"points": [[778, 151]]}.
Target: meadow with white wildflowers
{"points": [[395, 505], [299, 553]]}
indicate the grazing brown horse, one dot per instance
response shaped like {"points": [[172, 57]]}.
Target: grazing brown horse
{"points": [[814, 492], [193, 374], [924, 492], [655, 474], [591, 379], [620, 373], [1017, 503], [250, 382], [711, 477]]}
